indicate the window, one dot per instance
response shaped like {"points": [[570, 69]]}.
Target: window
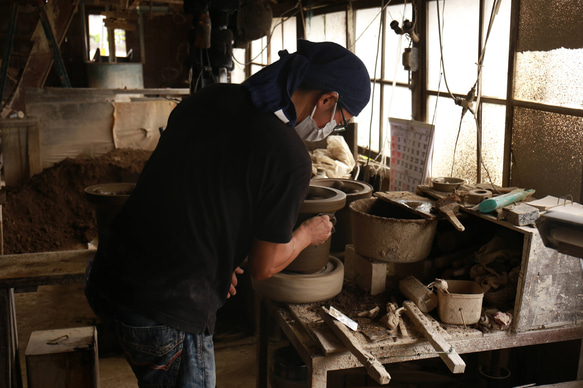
{"points": [[454, 48], [98, 38], [264, 51], [391, 96]]}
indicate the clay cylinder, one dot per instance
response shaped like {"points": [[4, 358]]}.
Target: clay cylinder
{"points": [[354, 190], [320, 199]]}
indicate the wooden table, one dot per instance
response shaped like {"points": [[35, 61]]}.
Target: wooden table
{"points": [[463, 340], [30, 270]]}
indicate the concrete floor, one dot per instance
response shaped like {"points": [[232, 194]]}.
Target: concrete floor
{"points": [[64, 306]]}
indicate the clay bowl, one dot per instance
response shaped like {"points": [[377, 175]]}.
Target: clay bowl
{"points": [[320, 199], [447, 184], [354, 190]]}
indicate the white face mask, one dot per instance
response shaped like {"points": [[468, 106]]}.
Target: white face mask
{"points": [[308, 129]]}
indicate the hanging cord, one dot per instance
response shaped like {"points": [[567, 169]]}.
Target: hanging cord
{"points": [[372, 97], [439, 28], [383, 146], [467, 102]]}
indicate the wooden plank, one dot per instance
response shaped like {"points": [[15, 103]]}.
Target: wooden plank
{"points": [[373, 366], [318, 330], [33, 142], [447, 353], [37, 269], [14, 147], [409, 201]]}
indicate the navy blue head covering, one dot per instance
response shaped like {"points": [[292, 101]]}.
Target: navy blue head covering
{"points": [[323, 66]]}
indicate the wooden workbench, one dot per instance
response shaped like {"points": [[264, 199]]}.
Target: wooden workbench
{"points": [[29, 271], [548, 308], [393, 350]]}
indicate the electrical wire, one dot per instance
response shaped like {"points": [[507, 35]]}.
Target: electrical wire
{"points": [[467, 102], [373, 94]]}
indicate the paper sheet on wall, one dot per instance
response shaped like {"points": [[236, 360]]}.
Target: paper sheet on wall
{"points": [[137, 124], [411, 150]]}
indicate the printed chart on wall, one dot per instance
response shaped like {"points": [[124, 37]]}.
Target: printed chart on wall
{"points": [[411, 149]]}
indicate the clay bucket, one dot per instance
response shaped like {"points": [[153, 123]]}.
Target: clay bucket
{"points": [[320, 199], [354, 190], [108, 199], [387, 233], [462, 305]]}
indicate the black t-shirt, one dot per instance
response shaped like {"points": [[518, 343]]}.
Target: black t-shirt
{"points": [[223, 173]]}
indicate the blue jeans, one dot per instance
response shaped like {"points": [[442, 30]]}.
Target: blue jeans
{"points": [[160, 356]]}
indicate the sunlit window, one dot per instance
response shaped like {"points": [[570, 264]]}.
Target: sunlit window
{"points": [[98, 38]]}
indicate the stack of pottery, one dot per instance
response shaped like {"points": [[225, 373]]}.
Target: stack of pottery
{"points": [[354, 190], [314, 275]]}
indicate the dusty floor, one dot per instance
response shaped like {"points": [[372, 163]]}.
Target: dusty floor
{"points": [[64, 306]]}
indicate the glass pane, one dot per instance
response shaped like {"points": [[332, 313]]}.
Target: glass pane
{"points": [[459, 19], [259, 51], [395, 44], [328, 27], [445, 163], [276, 41], [495, 64], [290, 35], [550, 77], [367, 36], [493, 132], [368, 130], [396, 103], [546, 153], [238, 73]]}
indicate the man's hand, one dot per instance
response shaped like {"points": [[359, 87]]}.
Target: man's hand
{"points": [[232, 289], [319, 228]]}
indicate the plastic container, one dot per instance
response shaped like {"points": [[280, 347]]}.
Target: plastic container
{"points": [[462, 305]]}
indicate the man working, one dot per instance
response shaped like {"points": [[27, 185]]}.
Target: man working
{"points": [[225, 182]]}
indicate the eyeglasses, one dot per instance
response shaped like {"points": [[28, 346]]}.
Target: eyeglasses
{"points": [[342, 126]]}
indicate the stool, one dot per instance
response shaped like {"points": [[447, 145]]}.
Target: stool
{"points": [[64, 358]]}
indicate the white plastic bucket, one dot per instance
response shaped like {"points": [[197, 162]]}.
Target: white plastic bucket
{"points": [[462, 305]]}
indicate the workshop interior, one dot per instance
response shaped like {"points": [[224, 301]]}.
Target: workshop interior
{"points": [[456, 258]]}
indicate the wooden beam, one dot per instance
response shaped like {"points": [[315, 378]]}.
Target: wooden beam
{"points": [[373, 366], [447, 353]]}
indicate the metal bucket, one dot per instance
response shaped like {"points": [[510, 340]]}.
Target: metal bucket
{"points": [[462, 304], [387, 233]]}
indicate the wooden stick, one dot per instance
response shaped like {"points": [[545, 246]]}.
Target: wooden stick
{"points": [[447, 353], [373, 366]]}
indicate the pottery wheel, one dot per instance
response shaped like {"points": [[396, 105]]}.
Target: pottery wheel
{"points": [[301, 287]]}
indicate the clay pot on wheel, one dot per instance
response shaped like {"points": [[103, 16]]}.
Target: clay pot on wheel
{"points": [[320, 200], [354, 190], [291, 287]]}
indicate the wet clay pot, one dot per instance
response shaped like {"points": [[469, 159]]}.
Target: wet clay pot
{"points": [[108, 199], [385, 232], [354, 190], [320, 200]]}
